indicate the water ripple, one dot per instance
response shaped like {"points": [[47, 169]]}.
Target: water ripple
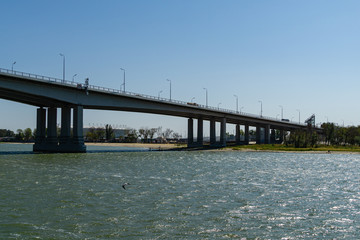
{"points": [[185, 195]]}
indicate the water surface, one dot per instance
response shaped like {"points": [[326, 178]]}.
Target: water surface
{"points": [[179, 195]]}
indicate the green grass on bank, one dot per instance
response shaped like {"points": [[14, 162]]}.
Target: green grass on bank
{"points": [[280, 147]]}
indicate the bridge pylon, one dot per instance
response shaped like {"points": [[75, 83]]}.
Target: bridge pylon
{"points": [[46, 139]]}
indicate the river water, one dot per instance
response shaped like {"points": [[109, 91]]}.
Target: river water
{"points": [[178, 195]]}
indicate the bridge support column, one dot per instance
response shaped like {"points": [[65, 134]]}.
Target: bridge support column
{"points": [[281, 136], [52, 127], [272, 136], [237, 134], [258, 134], [78, 138], [223, 132], [65, 126], [47, 143], [212, 133], [40, 129], [267, 134], [190, 142], [40, 125], [200, 132], [247, 134]]}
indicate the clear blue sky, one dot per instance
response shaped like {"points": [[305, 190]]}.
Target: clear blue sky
{"points": [[299, 54]]}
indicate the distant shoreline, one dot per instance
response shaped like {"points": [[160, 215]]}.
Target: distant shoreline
{"points": [[243, 148], [163, 146]]}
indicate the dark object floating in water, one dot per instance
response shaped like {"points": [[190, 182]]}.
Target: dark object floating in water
{"points": [[123, 186]]}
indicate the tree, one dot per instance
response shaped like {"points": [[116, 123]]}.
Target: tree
{"points": [[176, 136], [152, 132], [166, 134], [27, 134], [132, 136], [19, 135], [100, 134], [6, 133], [329, 131], [90, 135], [109, 132]]}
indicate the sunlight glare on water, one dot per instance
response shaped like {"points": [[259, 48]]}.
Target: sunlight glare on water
{"points": [[184, 195]]}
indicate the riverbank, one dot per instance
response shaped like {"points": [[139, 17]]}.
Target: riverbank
{"points": [[283, 148], [243, 148], [161, 146]]}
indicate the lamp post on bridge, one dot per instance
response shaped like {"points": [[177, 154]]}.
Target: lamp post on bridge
{"points": [[159, 94], [124, 79], [237, 103], [206, 96], [192, 99], [63, 66], [219, 105], [12, 67], [74, 77], [260, 108], [170, 87], [299, 114], [282, 117]]}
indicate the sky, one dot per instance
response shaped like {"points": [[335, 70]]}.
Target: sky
{"points": [[301, 55]]}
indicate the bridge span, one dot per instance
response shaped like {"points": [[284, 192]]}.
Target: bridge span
{"points": [[48, 94]]}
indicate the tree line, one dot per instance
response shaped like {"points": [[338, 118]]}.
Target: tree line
{"points": [[100, 134], [332, 135], [145, 135], [26, 135]]}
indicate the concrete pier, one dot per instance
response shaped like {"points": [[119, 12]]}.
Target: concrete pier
{"points": [[48, 141], [212, 132], [190, 142], [223, 132], [200, 133], [267, 134], [237, 134], [247, 134]]}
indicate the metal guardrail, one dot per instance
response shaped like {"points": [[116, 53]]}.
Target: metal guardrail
{"points": [[145, 96]]}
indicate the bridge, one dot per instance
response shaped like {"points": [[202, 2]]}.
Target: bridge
{"points": [[49, 94]]}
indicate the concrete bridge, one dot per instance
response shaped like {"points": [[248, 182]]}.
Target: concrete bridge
{"points": [[48, 94]]}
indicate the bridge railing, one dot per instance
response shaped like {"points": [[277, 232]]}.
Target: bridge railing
{"points": [[119, 92]]}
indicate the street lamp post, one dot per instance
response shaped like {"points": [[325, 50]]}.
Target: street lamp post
{"points": [[206, 96], [241, 109], [219, 105], [299, 114], [63, 66], [260, 108], [282, 117], [170, 87], [12, 67], [124, 79], [159, 94], [237, 103], [192, 99], [74, 77]]}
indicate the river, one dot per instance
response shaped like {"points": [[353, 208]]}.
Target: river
{"points": [[178, 195]]}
